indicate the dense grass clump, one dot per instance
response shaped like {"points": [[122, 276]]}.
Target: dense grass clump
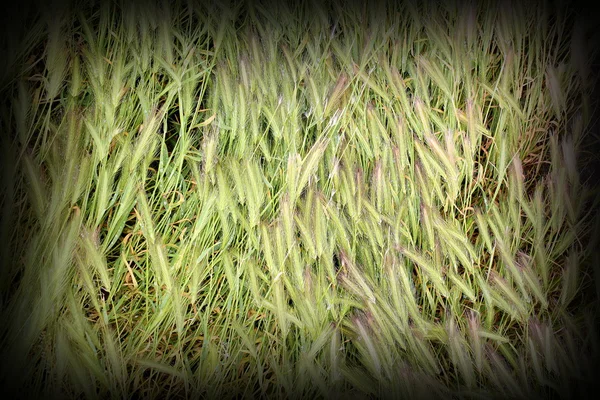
{"points": [[307, 201]]}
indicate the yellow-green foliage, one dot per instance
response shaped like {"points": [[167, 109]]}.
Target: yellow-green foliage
{"points": [[217, 200]]}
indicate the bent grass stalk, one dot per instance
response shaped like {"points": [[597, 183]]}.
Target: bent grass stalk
{"points": [[283, 210]]}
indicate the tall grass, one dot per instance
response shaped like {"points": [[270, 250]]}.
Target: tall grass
{"points": [[218, 200]]}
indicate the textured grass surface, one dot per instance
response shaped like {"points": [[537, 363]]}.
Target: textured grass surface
{"points": [[308, 201]]}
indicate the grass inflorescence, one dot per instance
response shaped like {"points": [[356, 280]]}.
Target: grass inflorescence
{"points": [[242, 200]]}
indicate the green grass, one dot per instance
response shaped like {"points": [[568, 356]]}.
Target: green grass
{"points": [[298, 201]]}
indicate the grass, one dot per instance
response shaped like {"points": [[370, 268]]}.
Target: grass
{"points": [[307, 201]]}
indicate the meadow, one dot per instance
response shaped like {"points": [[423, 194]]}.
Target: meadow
{"points": [[308, 201]]}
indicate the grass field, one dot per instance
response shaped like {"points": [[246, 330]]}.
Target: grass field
{"points": [[210, 201]]}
